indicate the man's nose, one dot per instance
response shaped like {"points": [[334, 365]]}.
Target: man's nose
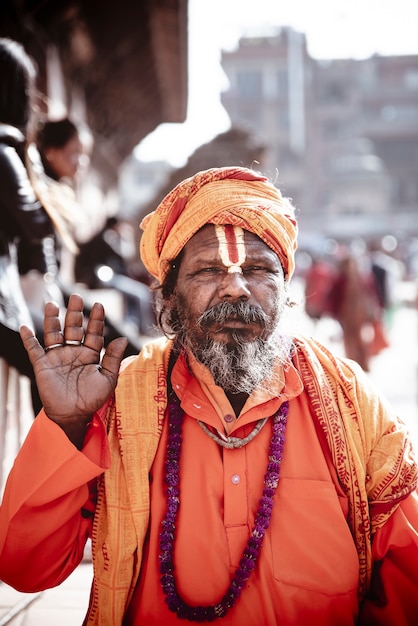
{"points": [[234, 286]]}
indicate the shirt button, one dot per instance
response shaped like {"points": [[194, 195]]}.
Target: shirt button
{"points": [[229, 418], [235, 479]]}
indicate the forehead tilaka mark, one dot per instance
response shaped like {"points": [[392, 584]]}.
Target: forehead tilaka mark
{"points": [[231, 247]]}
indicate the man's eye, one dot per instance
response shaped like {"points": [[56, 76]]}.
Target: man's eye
{"points": [[209, 270], [254, 268]]}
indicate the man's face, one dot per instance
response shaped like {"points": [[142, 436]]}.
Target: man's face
{"points": [[65, 161], [229, 296]]}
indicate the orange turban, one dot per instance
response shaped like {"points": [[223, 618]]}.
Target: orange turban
{"points": [[225, 195]]}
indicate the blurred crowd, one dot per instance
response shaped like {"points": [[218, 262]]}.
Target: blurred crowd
{"points": [[44, 251], [356, 285]]}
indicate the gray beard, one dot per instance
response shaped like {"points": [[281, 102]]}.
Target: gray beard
{"points": [[247, 365], [242, 364]]}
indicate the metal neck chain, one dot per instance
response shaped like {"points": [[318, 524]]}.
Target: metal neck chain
{"points": [[233, 442]]}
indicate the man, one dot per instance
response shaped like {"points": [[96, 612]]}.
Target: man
{"points": [[234, 472], [60, 148]]}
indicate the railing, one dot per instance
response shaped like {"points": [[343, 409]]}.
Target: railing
{"points": [[16, 416]]}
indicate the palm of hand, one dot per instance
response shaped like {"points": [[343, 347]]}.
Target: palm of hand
{"points": [[72, 382], [74, 378]]}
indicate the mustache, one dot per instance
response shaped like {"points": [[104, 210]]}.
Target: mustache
{"points": [[225, 311]]}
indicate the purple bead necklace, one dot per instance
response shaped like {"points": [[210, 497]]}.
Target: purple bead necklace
{"points": [[168, 525]]}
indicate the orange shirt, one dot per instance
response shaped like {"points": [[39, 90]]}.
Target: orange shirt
{"points": [[306, 567]]}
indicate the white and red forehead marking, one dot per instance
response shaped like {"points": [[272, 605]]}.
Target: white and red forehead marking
{"points": [[231, 247]]}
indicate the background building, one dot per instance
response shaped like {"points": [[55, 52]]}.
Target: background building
{"points": [[341, 135]]}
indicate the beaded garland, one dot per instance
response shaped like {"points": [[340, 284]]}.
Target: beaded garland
{"points": [[168, 525]]}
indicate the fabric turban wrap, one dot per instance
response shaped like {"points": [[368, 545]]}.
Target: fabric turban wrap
{"points": [[226, 195]]}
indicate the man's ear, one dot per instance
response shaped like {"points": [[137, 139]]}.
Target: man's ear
{"points": [[288, 302]]}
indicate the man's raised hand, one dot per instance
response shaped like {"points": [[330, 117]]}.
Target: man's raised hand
{"points": [[74, 379]]}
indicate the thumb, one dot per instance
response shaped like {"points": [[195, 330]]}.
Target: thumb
{"points": [[114, 354], [32, 346]]}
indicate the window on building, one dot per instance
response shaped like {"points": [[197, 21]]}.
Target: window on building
{"points": [[249, 84], [400, 114], [282, 83], [332, 93], [401, 153], [411, 79]]}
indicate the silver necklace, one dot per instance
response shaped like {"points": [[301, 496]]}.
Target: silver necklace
{"points": [[233, 442]]}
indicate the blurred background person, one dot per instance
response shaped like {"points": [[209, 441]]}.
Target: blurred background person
{"points": [[355, 304], [57, 155], [24, 221], [100, 262], [53, 156], [318, 283], [60, 148], [388, 273]]}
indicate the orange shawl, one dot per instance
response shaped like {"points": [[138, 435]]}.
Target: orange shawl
{"points": [[368, 445]]}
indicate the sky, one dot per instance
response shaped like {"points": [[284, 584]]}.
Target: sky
{"points": [[334, 29]]}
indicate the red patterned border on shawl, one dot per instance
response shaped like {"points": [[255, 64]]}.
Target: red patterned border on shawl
{"points": [[325, 409]]}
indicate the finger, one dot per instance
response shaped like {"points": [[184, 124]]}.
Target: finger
{"points": [[74, 319], [75, 302], [33, 347], [94, 335], [113, 356], [52, 325]]}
